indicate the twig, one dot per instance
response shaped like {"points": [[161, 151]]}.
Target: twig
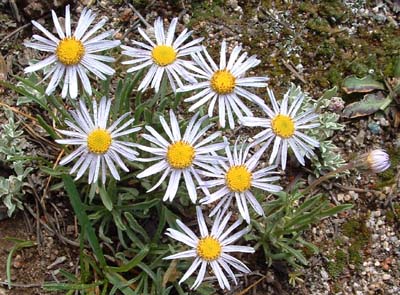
{"points": [[38, 235], [275, 19], [138, 14], [293, 71], [327, 176], [15, 110], [252, 285], [354, 189], [52, 231], [49, 179], [14, 32]]}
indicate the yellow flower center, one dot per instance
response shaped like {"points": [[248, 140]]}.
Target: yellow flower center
{"points": [[223, 82], [209, 248], [180, 155], [163, 55], [99, 141], [283, 126], [238, 179], [70, 51]]}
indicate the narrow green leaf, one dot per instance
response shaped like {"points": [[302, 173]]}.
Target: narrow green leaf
{"points": [[335, 210], [294, 252], [105, 198], [120, 282], [83, 219], [132, 263], [47, 127], [65, 286], [135, 226]]}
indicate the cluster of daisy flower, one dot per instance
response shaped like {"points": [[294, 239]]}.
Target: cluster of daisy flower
{"points": [[204, 161]]}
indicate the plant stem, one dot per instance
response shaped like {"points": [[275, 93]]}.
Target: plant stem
{"points": [[327, 176]]}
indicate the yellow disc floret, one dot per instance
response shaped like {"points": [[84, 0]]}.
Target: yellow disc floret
{"points": [[163, 55], [238, 179], [209, 248], [283, 126], [223, 82], [180, 155], [99, 141], [70, 51]]}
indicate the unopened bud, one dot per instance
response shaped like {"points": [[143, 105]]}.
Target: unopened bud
{"points": [[377, 160]]}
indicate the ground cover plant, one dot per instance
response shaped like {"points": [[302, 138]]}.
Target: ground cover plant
{"points": [[178, 160]]}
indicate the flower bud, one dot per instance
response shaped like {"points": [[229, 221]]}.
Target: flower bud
{"points": [[378, 160]]}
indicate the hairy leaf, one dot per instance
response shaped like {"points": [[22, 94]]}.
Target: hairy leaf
{"points": [[366, 84], [368, 105]]}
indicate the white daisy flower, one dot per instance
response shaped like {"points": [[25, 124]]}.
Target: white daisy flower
{"points": [[99, 145], [225, 84], [73, 54], [164, 56], [212, 248], [237, 177], [180, 155], [284, 125]]}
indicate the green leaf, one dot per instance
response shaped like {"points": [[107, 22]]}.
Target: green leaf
{"points": [[294, 252], [105, 198], [64, 286], [368, 105], [335, 210], [47, 127], [366, 84], [132, 263], [328, 94], [120, 282], [135, 226], [83, 219]]}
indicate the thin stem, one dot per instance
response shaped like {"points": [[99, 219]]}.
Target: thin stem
{"points": [[327, 176]]}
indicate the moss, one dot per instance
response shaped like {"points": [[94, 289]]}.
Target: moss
{"points": [[308, 7], [393, 214], [357, 231], [359, 69], [327, 49], [139, 3], [207, 10], [319, 25], [334, 11], [336, 265], [355, 256], [334, 76]]}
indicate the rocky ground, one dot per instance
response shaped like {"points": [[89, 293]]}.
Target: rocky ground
{"points": [[314, 44]]}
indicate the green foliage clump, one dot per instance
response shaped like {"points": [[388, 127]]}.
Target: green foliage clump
{"points": [[279, 232]]}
